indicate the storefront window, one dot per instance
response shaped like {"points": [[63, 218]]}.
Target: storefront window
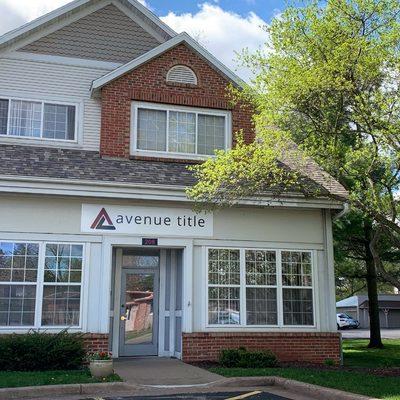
{"points": [[244, 289], [23, 279]]}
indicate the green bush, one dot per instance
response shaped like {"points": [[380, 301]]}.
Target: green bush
{"points": [[241, 358], [41, 351]]}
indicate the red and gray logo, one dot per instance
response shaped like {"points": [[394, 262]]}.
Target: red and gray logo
{"points": [[103, 222]]}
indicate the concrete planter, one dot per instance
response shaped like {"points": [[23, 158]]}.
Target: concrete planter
{"points": [[101, 368]]}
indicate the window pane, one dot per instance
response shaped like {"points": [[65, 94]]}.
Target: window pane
{"points": [[182, 132], [59, 122], [261, 305], [18, 262], [260, 267], [17, 305], [224, 267], [152, 130], [25, 118], [297, 307], [296, 268], [224, 305], [211, 134], [3, 116], [63, 263], [61, 305]]}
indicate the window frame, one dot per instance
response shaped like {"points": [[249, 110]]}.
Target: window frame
{"points": [[42, 103], [40, 283], [279, 287], [167, 107]]}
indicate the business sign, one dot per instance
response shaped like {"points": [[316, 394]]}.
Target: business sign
{"points": [[152, 221]]}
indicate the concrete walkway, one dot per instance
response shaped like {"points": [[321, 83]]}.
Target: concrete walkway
{"points": [[157, 371], [364, 334]]}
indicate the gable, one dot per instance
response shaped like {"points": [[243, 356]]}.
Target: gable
{"points": [[105, 35]]}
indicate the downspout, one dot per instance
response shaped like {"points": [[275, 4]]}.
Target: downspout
{"points": [[346, 210]]}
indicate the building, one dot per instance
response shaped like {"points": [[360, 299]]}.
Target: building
{"points": [[102, 106], [357, 307]]}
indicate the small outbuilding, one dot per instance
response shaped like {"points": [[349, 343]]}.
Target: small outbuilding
{"points": [[357, 307]]}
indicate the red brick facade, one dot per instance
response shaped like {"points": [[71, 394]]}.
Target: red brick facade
{"points": [[288, 347], [94, 342], [148, 83]]}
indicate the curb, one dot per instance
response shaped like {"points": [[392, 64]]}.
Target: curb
{"points": [[306, 389], [302, 388], [72, 389]]}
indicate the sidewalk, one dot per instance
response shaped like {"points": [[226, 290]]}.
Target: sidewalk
{"points": [[162, 372]]}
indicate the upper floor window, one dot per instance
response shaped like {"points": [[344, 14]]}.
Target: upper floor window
{"points": [[37, 119], [179, 131], [181, 74]]}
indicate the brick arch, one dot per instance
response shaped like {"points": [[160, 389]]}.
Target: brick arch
{"points": [[148, 83]]}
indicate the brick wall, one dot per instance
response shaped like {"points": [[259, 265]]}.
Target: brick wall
{"points": [[94, 342], [288, 347], [148, 83]]}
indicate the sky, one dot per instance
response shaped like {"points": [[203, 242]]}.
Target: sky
{"points": [[222, 26]]}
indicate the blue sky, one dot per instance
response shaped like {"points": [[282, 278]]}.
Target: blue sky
{"points": [[224, 27], [266, 9]]}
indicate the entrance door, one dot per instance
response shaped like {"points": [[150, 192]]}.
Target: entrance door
{"points": [[139, 305]]}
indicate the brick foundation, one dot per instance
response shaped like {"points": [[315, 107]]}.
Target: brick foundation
{"points": [[94, 342], [288, 347]]}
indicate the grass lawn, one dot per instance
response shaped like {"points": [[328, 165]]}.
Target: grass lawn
{"points": [[387, 388], [19, 379], [356, 355]]}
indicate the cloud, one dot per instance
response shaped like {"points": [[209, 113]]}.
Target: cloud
{"points": [[222, 32], [9, 18]]}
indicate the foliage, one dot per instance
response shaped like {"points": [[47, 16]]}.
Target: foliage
{"points": [[241, 358], [41, 351], [327, 81], [10, 379], [99, 356]]}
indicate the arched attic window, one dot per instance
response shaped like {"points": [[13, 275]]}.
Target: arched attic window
{"points": [[182, 74]]}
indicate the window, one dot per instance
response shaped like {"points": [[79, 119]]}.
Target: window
{"points": [[36, 293], [224, 286], [179, 131], [182, 74], [297, 290], [246, 286], [37, 119]]}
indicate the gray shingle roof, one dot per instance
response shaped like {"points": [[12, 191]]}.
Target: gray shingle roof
{"points": [[54, 163], [50, 163]]}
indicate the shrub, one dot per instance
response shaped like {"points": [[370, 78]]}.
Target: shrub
{"points": [[241, 358], [41, 351], [329, 362]]}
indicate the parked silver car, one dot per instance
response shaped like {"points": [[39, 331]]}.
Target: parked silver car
{"points": [[344, 321]]}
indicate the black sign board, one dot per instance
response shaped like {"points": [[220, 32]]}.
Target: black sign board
{"points": [[149, 242]]}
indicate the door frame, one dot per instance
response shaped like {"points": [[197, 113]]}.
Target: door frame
{"points": [[155, 332]]}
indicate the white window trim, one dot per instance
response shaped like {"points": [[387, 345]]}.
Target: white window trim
{"points": [[166, 107], [41, 139], [243, 323], [40, 285]]}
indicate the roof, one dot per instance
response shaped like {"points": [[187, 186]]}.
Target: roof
{"points": [[162, 48], [384, 304], [82, 165], [358, 300], [74, 6]]}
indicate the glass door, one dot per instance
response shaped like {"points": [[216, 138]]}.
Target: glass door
{"points": [[139, 307]]}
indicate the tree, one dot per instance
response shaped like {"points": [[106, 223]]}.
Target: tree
{"points": [[329, 83]]}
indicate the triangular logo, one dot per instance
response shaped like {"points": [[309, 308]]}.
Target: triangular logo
{"points": [[103, 221]]}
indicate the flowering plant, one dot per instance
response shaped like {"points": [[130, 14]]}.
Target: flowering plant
{"points": [[99, 356]]}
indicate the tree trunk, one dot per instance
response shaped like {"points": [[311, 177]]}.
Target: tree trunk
{"points": [[375, 340]]}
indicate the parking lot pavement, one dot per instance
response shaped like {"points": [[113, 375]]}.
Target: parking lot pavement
{"points": [[243, 395], [364, 333]]}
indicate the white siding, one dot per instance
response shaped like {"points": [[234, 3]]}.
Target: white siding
{"points": [[33, 79]]}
